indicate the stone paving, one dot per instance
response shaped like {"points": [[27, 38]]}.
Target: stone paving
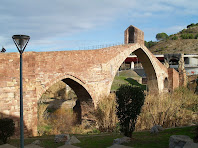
{"points": [[7, 146], [119, 146], [32, 146], [63, 146], [68, 146]]}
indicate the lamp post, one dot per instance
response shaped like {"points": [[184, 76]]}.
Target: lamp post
{"points": [[21, 42]]}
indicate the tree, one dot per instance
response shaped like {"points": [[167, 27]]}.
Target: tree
{"points": [[161, 36], [7, 128], [130, 100]]}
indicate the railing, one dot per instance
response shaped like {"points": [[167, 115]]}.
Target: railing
{"points": [[92, 47]]}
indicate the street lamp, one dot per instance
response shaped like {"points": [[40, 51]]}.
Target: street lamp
{"points": [[21, 42]]}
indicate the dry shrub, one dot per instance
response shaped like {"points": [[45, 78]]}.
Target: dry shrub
{"points": [[169, 110], [61, 121], [41, 119], [82, 129], [105, 113]]}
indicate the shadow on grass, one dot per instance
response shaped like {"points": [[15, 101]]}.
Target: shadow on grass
{"points": [[134, 82]]}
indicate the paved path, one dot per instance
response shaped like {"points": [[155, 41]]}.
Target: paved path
{"points": [[26, 146], [7, 146], [36, 146], [32, 146], [63, 146], [68, 146], [119, 146]]}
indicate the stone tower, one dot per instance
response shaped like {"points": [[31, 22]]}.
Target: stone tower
{"points": [[133, 35]]}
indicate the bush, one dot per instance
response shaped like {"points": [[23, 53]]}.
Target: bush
{"points": [[196, 90], [196, 36], [169, 110], [195, 138], [7, 128], [105, 114], [187, 36], [150, 44], [130, 100], [192, 25], [61, 121], [174, 38]]}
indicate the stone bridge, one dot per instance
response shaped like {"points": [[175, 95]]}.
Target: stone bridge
{"points": [[89, 73]]}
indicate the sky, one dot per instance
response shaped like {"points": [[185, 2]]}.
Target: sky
{"points": [[55, 25]]}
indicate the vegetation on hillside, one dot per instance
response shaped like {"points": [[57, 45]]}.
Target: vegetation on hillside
{"points": [[185, 41]]}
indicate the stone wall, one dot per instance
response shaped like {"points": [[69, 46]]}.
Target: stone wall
{"points": [[173, 78]]}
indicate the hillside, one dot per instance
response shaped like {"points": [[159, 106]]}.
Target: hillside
{"points": [[185, 41]]}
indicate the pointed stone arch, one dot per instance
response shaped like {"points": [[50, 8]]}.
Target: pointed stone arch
{"points": [[156, 72]]}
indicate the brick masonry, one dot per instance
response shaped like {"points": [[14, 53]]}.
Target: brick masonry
{"points": [[89, 72]]}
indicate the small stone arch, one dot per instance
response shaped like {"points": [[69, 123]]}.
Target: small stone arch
{"points": [[59, 78]]}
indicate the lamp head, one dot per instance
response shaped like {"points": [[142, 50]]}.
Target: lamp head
{"points": [[21, 42]]}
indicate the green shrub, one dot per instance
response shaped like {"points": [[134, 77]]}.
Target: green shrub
{"points": [[130, 100], [7, 128], [187, 36], [196, 90], [196, 36], [195, 138], [174, 38], [149, 44]]}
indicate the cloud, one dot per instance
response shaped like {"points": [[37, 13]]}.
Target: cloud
{"points": [[43, 19], [175, 29], [46, 21]]}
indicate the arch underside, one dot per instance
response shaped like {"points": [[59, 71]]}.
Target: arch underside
{"points": [[153, 68], [84, 103], [152, 81]]}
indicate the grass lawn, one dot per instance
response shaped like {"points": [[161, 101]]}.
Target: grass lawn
{"points": [[160, 140], [140, 139], [125, 78]]}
